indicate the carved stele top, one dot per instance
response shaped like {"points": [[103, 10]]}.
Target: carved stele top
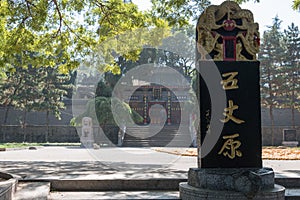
{"points": [[227, 33], [87, 122]]}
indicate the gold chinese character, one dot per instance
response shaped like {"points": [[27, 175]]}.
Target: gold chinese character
{"points": [[230, 83], [230, 147], [229, 113]]}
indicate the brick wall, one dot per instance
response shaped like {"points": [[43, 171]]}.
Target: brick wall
{"points": [[60, 134], [277, 135]]}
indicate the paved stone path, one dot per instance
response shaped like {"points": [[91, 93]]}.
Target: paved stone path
{"points": [[110, 163]]}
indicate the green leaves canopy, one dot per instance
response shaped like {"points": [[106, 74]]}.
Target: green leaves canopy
{"points": [[279, 58], [178, 12], [296, 4], [100, 110], [63, 33]]}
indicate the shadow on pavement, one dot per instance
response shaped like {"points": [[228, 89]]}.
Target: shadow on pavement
{"points": [[87, 170]]}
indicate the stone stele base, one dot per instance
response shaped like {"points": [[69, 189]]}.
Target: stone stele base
{"points": [[227, 184], [87, 143]]}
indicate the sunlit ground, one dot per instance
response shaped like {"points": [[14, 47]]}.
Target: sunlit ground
{"points": [[268, 153]]}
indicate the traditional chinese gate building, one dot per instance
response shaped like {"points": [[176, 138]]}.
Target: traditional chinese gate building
{"points": [[146, 96]]}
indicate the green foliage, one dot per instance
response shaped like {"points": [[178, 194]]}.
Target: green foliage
{"points": [[296, 4], [51, 33], [280, 77], [103, 111], [64, 33], [291, 69], [103, 89], [19, 91], [292, 66], [18, 145], [54, 87], [127, 45], [178, 12], [59, 34], [37, 89], [176, 51], [179, 51], [271, 57], [194, 83], [100, 110]]}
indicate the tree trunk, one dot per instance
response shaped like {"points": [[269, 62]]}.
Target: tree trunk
{"points": [[47, 125], [24, 125], [5, 121], [271, 105], [293, 115], [8, 105], [293, 103], [272, 123], [6, 114]]}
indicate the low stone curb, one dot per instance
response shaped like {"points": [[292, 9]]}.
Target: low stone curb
{"points": [[8, 186], [132, 184]]}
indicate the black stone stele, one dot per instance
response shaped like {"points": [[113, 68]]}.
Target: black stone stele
{"points": [[228, 39], [239, 145]]}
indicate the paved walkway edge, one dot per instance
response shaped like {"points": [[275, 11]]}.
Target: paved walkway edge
{"points": [[132, 184]]}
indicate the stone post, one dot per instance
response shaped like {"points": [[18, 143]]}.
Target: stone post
{"points": [[228, 39], [87, 137]]}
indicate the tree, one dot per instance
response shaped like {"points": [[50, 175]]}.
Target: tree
{"points": [[291, 69], [180, 46], [178, 12], [70, 32], [64, 32], [35, 89], [10, 86], [20, 92], [103, 89], [100, 110], [271, 57], [296, 4], [176, 51], [53, 87], [28, 97]]}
